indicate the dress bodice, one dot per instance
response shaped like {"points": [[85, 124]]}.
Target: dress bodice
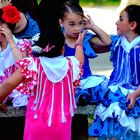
{"points": [[126, 63], [31, 29], [88, 53], [50, 87]]}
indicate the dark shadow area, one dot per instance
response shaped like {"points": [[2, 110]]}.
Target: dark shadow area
{"points": [[12, 128]]}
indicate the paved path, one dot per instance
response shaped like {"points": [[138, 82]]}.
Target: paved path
{"points": [[104, 17]]}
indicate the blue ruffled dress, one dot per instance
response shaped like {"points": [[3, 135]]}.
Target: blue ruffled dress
{"points": [[92, 86], [112, 118]]}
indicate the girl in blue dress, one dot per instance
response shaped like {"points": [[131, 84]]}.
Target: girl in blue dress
{"points": [[73, 22], [29, 17], [114, 117]]}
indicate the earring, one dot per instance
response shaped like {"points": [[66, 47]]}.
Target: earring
{"points": [[62, 28]]}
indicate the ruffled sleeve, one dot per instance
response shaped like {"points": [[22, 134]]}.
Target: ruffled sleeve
{"points": [[88, 50], [25, 45], [77, 70], [29, 72]]}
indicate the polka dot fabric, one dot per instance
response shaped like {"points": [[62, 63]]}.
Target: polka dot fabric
{"points": [[30, 77]]}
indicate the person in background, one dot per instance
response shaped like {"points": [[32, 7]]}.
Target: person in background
{"points": [[118, 116], [72, 22], [50, 81], [28, 26]]}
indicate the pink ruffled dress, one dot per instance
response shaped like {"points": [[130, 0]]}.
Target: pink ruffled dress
{"points": [[51, 83]]}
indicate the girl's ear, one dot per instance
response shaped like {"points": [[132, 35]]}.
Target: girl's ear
{"points": [[133, 25], [61, 25], [60, 22]]}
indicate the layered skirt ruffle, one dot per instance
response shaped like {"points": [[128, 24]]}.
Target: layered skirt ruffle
{"points": [[113, 119], [91, 90]]}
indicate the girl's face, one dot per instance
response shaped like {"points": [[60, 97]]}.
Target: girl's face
{"points": [[2, 36], [73, 24], [123, 24]]}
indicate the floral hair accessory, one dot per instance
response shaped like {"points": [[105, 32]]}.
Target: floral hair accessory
{"points": [[10, 14], [37, 49], [48, 48]]}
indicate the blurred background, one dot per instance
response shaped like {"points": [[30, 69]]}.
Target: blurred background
{"points": [[99, 2]]}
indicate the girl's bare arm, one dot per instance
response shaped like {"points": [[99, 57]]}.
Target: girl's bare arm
{"points": [[10, 83], [101, 39], [79, 54], [15, 50]]}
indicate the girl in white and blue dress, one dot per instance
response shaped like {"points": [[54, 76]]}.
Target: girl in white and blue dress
{"points": [[114, 118], [72, 22], [11, 50]]}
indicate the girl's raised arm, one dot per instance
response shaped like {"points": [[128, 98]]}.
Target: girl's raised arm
{"points": [[101, 40], [14, 48], [79, 54]]}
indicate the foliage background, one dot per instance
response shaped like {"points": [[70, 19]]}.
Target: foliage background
{"points": [[99, 2]]}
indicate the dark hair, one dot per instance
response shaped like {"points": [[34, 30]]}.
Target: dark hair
{"points": [[24, 6], [48, 13], [10, 25], [53, 36], [133, 12], [49, 27], [70, 6]]}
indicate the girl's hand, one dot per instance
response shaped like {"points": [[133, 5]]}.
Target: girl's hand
{"points": [[4, 3], [6, 31], [81, 37], [132, 99], [89, 24]]}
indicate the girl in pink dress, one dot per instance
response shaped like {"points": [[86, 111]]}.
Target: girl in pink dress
{"points": [[50, 80]]}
